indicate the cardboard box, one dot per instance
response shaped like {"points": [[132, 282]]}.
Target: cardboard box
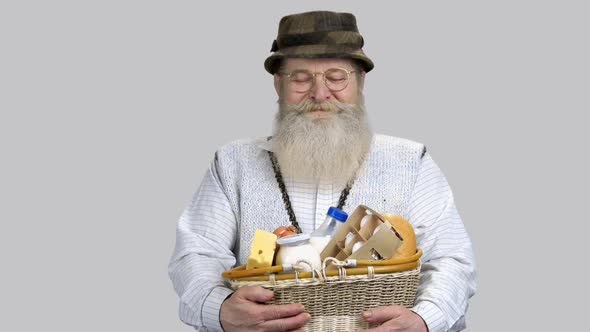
{"points": [[381, 239]]}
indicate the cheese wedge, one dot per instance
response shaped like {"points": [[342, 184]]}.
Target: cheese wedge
{"points": [[262, 250]]}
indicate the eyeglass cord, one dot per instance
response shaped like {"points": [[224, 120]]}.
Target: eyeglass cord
{"points": [[285, 195]]}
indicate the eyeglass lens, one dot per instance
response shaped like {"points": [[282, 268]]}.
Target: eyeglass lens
{"points": [[335, 79]]}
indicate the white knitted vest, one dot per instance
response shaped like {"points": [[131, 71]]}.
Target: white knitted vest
{"points": [[385, 184]]}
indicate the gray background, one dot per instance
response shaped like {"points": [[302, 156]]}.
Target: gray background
{"points": [[112, 110]]}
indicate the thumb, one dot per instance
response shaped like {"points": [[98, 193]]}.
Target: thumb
{"points": [[382, 314], [255, 293]]}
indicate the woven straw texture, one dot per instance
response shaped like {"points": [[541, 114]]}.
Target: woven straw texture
{"points": [[335, 304]]}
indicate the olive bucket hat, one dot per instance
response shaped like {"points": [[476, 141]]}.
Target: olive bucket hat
{"points": [[318, 34]]}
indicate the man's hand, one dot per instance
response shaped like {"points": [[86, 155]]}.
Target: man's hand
{"points": [[243, 311], [394, 318]]}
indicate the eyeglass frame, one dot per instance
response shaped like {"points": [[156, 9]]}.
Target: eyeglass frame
{"points": [[323, 73]]}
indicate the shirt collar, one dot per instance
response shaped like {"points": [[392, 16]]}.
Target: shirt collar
{"points": [[265, 144]]}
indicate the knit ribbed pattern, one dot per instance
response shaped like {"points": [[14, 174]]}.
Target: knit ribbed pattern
{"points": [[384, 183], [239, 194]]}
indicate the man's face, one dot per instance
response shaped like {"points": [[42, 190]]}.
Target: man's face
{"points": [[319, 92], [320, 133]]}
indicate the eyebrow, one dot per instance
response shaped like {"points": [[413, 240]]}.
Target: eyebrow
{"points": [[309, 70]]}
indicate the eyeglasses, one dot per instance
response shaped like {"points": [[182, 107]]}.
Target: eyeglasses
{"points": [[301, 80]]}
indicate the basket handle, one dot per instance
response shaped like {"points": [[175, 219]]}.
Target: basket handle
{"points": [[298, 267], [340, 264]]}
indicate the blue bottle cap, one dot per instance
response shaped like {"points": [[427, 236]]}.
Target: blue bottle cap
{"points": [[337, 214]]}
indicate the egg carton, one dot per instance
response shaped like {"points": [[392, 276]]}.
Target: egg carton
{"points": [[366, 225]]}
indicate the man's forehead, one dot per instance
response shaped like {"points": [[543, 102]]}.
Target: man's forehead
{"points": [[316, 64]]}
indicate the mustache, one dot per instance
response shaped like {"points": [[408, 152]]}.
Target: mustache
{"points": [[310, 106]]}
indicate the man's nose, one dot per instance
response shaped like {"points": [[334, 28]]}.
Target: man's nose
{"points": [[319, 92]]}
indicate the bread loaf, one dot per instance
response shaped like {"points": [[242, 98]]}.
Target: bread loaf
{"points": [[405, 229]]}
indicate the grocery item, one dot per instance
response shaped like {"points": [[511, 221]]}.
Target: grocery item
{"points": [[357, 246], [406, 231], [296, 247], [321, 236], [380, 238], [262, 250], [285, 231], [348, 239], [364, 220]]}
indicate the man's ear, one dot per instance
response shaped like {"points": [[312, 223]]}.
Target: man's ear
{"points": [[277, 82], [362, 80]]}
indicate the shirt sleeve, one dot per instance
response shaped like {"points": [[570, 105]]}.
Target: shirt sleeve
{"points": [[205, 237], [448, 277]]}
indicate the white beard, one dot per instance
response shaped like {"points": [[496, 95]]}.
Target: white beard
{"points": [[328, 146]]}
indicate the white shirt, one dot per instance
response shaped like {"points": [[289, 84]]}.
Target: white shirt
{"points": [[447, 279]]}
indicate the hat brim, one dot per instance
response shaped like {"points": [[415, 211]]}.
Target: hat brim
{"points": [[318, 52]]}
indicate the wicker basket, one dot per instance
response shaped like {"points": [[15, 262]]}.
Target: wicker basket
{"points": [[336, 297]]}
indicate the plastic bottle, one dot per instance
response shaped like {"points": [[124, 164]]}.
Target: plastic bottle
{"points": [[321, 236]]}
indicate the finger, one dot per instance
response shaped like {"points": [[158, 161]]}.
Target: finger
{"points": [[382, 314], [255, 293], [380, 328], [375, 329], [286, 324], [270, 312]]}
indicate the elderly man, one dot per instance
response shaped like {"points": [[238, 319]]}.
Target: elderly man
{"points": [[321, 154]]}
